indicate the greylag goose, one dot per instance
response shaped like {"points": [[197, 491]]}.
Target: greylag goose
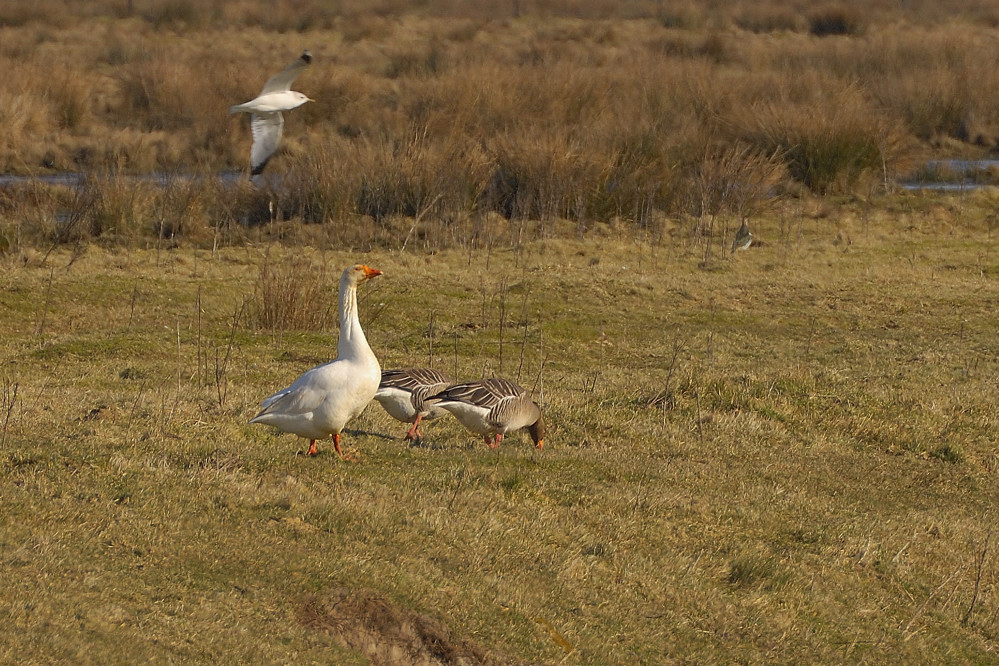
{"points": [[743, 239], [403, 394], [492, 408], [266, 121], [321, 402]]}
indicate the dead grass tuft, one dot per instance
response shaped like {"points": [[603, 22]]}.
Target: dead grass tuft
{"points": [[836, 19], [294, 294], [388, 634]]}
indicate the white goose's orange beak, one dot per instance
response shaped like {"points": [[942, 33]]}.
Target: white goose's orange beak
{"points": [[370, 272]]}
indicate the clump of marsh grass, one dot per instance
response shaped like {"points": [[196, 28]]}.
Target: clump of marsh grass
{"points": [[117, 206], [836, 19], [293, 294], [179, 209], [756, 569], [733, 180], [827, 141], [769, 17]]}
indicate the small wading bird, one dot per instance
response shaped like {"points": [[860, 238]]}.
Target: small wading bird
{"points": [[266, 121], [493, 408], [323, 400], [403, 394], [743, 239]]}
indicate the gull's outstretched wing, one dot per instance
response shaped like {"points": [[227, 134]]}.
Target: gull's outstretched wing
{"points": [[267, 128], [282, 81]]}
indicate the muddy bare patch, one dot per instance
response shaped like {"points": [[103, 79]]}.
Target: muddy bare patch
{"points": [[390, 635]]}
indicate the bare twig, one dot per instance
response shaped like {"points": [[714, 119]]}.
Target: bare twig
{"points": [[430, 341], [523, 342], [222, 365], [502, 321], [416, 220], [200, 353], [131, 308], [9, 400], [978, 580], [45, 305], [135, 406], [926, 602], [700, 429]]}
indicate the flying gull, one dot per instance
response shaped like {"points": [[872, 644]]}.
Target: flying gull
{"points": [[266, 120]]}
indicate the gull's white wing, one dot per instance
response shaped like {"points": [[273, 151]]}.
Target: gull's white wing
{"points": [[282, 81], [267, 128]]}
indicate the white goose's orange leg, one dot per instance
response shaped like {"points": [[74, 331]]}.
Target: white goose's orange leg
{"points": [[336, 446], [312, 448]]}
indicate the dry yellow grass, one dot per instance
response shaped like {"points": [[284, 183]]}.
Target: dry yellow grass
{"points": [[783, 455], [780, 455]]}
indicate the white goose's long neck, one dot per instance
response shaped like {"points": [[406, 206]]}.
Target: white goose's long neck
{"points": [[352, 343]]}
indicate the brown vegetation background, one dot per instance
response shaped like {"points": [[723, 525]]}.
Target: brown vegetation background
{"points": [[585, 110]]}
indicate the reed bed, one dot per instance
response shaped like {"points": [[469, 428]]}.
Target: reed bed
{"points": [[582, 111]]}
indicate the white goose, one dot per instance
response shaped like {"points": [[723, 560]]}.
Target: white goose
{"points": [[323, 400], [492, 408], [266, 121], [403, 394]]}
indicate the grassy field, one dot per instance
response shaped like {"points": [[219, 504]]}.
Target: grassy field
{"points": [[785, 455]]}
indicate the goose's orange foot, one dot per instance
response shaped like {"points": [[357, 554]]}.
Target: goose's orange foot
{"points": [[414, 433], [339, 452]]}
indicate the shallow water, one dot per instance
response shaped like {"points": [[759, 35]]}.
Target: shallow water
{"points": [[75, 179], [948, 175], [954, 175]]}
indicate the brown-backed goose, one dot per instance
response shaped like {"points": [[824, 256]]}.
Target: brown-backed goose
{"points": [[321, 402], [492, 408], [743, 238], [403, 394]]}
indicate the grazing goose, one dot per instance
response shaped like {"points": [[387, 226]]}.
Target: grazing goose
{"points": [[403, 394], [266, 121], [493, 408], [321, 402], [743, 239]]}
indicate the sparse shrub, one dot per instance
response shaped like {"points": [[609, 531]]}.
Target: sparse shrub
{"points": [[827, 143], [948, 453], [681, 15], [423, 61], [733, 179], [119, 205], [177, 208], [189, 14], [770, 18], [294, 294], [836, 19], [755, 570], [19, 13], [542, 179]]}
